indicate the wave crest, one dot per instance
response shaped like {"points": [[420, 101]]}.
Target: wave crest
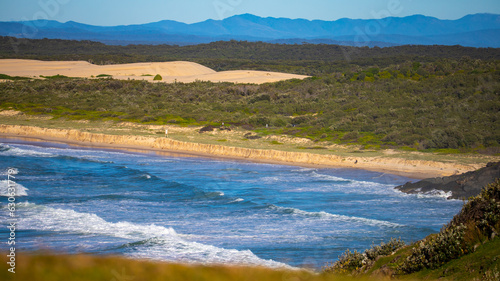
{"points": [[19, 189], [325, 215], [147, 241]]}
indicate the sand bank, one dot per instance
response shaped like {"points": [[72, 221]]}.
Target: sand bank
{"points": [[405, 167], [180, 71]]}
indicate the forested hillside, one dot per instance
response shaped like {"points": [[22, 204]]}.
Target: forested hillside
{"points": [[308, 59]]}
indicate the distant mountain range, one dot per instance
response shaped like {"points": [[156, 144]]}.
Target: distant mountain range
{"points": [[479, 30]]}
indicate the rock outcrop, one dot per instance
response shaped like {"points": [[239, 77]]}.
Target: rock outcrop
{"points": [[456, 186]]}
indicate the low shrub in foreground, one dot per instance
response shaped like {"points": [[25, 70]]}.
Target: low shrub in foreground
{"points": [[479, 220], [435, 251], [350, 262], [347, 263]]}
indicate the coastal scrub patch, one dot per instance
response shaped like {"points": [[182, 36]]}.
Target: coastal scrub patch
{"points": [[7, 77], [57, 76], [477, 224], [355, 262]]}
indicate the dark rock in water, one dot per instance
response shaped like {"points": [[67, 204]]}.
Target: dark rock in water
{"points": [[457, 186]]}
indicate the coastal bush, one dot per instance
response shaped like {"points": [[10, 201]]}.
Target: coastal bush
{"points": [[347, 263], [479, 220], [482, 212], [477, 223], [354, 262], [7, 77], [57, 76], [436, 250], [158, 77], [384, 249]]}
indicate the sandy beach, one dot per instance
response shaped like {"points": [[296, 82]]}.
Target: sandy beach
{"points": [[176, 71], [417, 169]]}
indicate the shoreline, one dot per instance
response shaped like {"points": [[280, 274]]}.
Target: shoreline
{"points": [[417, 169]]}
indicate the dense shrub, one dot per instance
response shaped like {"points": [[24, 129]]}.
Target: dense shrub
{"points": [[435, 251], [350, 262], [384, 249], [347, 263], [478, 220], [482, 211]]}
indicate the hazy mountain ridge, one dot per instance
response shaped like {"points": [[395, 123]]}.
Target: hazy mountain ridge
{"points": [[479, 30]]}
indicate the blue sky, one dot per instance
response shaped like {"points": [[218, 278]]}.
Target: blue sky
{"points": [[124, 12]]}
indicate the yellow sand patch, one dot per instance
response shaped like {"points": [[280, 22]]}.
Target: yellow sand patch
{"points": [[179, 71]]}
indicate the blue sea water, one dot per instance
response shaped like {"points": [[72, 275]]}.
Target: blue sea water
{"points": [[198, 210]]}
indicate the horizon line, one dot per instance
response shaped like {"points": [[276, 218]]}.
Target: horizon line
{"points": [[268, 17]]}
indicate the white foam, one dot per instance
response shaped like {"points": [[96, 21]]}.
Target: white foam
{"points": [[328, 177], [9, 171], [434, 194], [162, 243], [328, 216], [6, 184], [15, 151]]}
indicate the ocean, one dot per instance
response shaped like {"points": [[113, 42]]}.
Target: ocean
{"points": [[145, 205]]}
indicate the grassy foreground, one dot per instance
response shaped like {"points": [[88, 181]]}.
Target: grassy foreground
{"points": [[81, 267]]}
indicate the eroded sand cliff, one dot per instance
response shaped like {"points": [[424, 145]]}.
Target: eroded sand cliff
{"points": [[415, 168]]}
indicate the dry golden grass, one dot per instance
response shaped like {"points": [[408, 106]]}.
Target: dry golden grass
{"points": [[82, 267]]}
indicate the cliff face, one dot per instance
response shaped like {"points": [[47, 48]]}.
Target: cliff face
{"points": [[460, 186], [368, 163]]}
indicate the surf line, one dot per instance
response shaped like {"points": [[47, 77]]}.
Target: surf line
{"points": [[11, 207]]}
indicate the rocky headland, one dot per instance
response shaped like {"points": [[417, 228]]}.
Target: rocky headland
{"points": [[457, 186]]}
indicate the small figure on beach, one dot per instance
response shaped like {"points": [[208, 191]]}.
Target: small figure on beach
{"points": [[166, 133]]}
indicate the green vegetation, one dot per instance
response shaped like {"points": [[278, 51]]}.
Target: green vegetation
{"points": [[7, 77], [57, 76], [350, 262], [104, 76], [478, 221], [158, 77], [468, 248]]}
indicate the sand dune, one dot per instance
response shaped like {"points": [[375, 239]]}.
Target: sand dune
{"points": [[180, 71]]}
